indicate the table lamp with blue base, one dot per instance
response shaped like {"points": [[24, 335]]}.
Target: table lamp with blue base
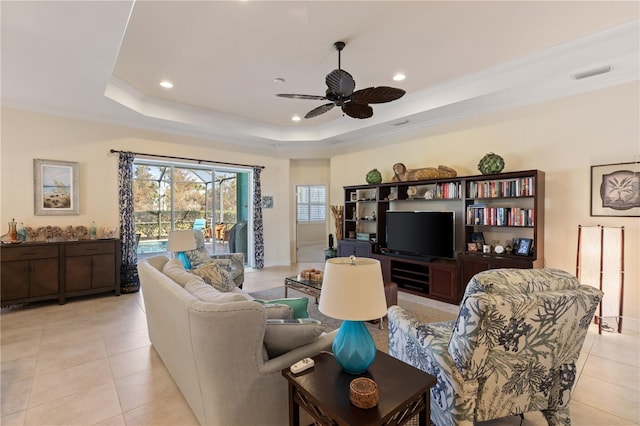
{"points": [[179, 242], [353, 291]]}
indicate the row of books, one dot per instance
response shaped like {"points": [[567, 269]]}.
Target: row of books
{"points": [[500, 216], [448, 191], [519, 187]]}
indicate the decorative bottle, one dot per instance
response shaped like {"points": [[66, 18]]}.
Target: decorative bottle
{"points": [[13, 232], [22, 232], [92, 231]]}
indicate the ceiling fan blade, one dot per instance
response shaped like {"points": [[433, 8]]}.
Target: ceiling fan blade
{"points": [[377, 95], [320, 110], [357, 110], [294, 96], [340, 82]]}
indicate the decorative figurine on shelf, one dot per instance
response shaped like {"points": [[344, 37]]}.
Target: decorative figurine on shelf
{"points": [[402, 174], [490, 164], [374, 177], [429, 194]]}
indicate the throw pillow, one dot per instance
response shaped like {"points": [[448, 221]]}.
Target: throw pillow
{"points": [[200, 254], [298, 304], [208, 293], [278, 311], [212, 274], [174, 270], [198, 257], [283, 335]]}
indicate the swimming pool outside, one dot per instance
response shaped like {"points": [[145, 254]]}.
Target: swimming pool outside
{"points": [[152, 246], [149, 248]]}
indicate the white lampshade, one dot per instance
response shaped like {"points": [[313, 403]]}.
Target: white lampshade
{"points": [[353, 289], [181, 241]]}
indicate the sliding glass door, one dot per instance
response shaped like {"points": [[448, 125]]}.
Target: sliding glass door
{"points": [[177, 197]]}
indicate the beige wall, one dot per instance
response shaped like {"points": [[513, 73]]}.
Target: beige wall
{"points": [[26, 136], [563, 138]]}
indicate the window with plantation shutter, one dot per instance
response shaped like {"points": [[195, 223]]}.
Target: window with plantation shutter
{"points": [[312, 203]]}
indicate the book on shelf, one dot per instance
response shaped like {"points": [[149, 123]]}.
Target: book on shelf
{"points": [[449, 190], [507, 188], [478, 214]]}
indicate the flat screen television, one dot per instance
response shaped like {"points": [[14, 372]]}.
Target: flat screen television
{"points": [[428, 234]]}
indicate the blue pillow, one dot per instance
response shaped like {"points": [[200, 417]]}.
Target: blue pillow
{"points": [[298, 304]]}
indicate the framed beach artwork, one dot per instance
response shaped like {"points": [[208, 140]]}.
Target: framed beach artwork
{"points": [[56, 188], [615, 190]]}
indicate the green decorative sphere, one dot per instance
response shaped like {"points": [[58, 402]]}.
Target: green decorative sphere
{"points": [[490, 164], [374, 177]]}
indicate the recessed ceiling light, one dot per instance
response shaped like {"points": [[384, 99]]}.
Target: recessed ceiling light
{"points": [[399, 77], [166, 84], [295, 118]]}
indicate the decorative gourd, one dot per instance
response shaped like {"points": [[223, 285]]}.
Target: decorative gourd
{"points": [[374, 177], [490, 164]]}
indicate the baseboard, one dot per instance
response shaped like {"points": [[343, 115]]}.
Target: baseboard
{"points": [[628, 324]]}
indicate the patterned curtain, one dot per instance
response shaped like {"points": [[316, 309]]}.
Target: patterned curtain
{"points": [[257, 220], [129, 281]]}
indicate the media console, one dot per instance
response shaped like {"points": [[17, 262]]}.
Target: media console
{"points": [[436, 279], [406, 256], [493, 214]]}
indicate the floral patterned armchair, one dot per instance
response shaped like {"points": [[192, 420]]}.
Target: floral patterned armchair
{"points": [[511, 350], [230, 262]]}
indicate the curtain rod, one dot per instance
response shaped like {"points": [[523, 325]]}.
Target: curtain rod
{"points": [[115, 151]]}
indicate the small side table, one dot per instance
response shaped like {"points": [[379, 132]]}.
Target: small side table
{"points": [[323, 391]]}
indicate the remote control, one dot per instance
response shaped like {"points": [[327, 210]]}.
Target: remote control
{"points": [[302, 365]]}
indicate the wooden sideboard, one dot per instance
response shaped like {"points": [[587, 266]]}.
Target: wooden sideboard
{"points": [[37, 271]]}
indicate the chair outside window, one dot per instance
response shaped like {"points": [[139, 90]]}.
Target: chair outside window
{"points": [[199, 224]]}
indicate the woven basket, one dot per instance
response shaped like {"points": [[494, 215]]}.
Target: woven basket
{"points": [[363, 392]]}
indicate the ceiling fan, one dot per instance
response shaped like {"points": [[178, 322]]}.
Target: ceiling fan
{"points": [[340, 91]]}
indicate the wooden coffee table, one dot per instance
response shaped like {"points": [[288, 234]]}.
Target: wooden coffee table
{"points": [[323, 391]]}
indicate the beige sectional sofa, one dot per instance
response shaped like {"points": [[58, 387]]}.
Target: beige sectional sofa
{"points": [[212, 344]]}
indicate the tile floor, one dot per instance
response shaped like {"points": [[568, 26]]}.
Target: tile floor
{"points": [[89, 362]]}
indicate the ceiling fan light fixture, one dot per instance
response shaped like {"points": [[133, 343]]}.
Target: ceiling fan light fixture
{"points": [[399, 77], [166, 84], [341, 93], [296, 118]]}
